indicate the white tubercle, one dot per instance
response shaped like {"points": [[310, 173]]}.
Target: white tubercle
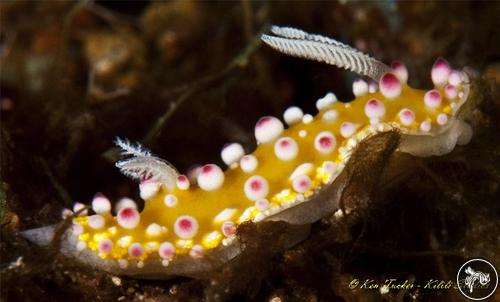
{"points": [[105, 246], [248, 163], [329, 167], [228, 229], [390, 86], [262, 204], [307, 119], [267, 129], [196, 251], [125, 202], [77, 229], [65, 213], [450, 91], [293, 115], [432, 99], [256, 187], [232, 153], [326, 101], [226, 214], [79, 206], [359, 87], [301, 183], [101, 204], [325, 142], [406, 116], [399, 69], [148, 189], [128, 218], [96, 222], [136, 250], [372, 87], [166, 250], [286, 148], [374, 109], [186, 227], [170, 200], [425, 126], [440, 72], [123, 263], [442, 119], [330, 115], [211, 177], [347, 129], [302, 169], [154, 230], [81, 245], [182, 182], [455, 78]]}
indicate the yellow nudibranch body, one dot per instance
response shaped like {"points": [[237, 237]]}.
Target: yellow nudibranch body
{"points": [[289, 165]]}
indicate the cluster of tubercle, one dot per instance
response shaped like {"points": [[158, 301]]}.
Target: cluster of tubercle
{"points": [[204, 208]]}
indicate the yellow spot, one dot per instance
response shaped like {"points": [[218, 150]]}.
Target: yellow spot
{"points": [[124, 241], [112, 231], [84, 237], [183, 246], [151, 246], [212, 240]]}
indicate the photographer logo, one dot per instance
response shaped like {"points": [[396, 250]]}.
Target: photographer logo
{"points": [[477, 279]]}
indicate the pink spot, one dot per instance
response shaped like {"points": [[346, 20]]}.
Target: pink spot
{"points": [[432, 98], [262, 204], [455, 78], [301, 183], [182, 178], [256, 185], [325, 141], [440, 72], [262, 121], [451, 91], [228, 228], [166, 250], [105, 246], [284, 143], [185, 225], [146, 177], [374, 109], [127, 213], [135, 250], [207, 169], [390, 81], [397, 65], [390, 86], [400, 70], [407, 117], [373, 103], [407, 114]]}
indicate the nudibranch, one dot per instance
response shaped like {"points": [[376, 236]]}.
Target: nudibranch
{"points": [[190, 221]]}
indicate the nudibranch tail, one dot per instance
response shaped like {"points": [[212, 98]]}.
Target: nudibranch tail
{"points": [[190, 216]]}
